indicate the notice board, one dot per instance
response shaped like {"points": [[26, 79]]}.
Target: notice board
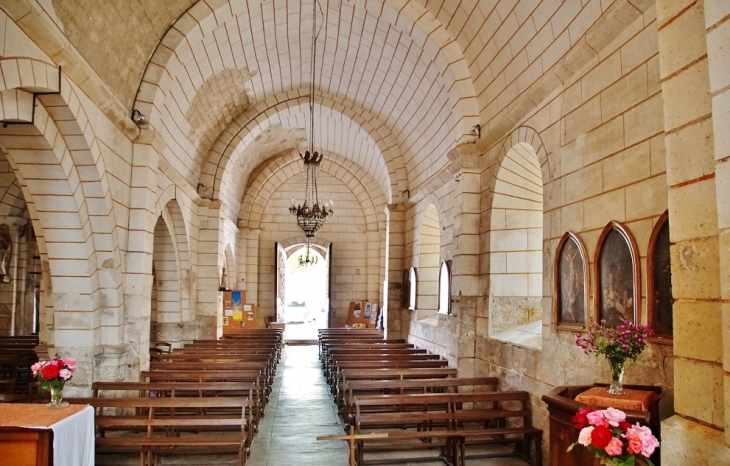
{"points": [[362, 314]]}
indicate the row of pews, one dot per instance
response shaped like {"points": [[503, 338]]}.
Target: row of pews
{"points": [[205, 398], [17, 354], [393, 396]]}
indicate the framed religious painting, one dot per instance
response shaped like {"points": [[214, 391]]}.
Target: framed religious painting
{"points": [[617, 293], [405, 287], [570, 284], [659, 299]]}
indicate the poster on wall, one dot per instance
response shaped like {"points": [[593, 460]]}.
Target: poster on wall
{"points": [[236, 305], [571, 283], [368, 310]]}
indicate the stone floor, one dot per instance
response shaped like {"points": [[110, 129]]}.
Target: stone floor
{"points": [[299, 410]]}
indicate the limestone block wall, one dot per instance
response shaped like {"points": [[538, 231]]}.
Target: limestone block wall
{"points": [[355, 275], [602, 158], [425, 328], [693, 38]]}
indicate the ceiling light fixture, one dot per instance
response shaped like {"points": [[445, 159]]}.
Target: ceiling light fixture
{"points": [[311, 214]]}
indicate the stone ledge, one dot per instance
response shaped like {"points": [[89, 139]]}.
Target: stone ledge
{"points": [[689, 443]]}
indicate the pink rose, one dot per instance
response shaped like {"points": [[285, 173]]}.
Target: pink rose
{"points": [[70, 364], [614, 447], [65, 374], [641, 440], [614, 416], [584, 437], [597, 418], [36, 367]]}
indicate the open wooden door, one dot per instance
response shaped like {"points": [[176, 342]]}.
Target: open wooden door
{"points": [[330, 311], [280, 282]]}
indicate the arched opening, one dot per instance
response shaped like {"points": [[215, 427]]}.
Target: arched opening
{"points": [[165, 312], [429, 245], [660, 301], [306, 296], [515, 294], [20, 264]]}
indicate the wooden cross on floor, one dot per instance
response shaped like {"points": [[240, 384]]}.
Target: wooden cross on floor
{"points": [[351, 438]]}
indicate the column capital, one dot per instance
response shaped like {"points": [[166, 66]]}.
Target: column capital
{"points": [[152, 138], [464, 157]]}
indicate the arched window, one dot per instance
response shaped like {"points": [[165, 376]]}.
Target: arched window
{"points": [[445, 287], [412, 279], [659, 281]]}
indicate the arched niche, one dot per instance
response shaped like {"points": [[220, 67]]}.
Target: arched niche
{"points": [[516, 234], [429, 255]]}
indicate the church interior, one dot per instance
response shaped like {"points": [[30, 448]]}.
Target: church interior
{"points": [[495, 175]]}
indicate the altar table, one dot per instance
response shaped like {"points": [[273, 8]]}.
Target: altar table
{"points": [[26, 431]]}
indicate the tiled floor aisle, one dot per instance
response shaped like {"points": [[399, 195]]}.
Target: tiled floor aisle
{"points": [[299, 410]]}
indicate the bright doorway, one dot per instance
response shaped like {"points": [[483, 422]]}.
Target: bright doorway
{"points": [[306, 296]]}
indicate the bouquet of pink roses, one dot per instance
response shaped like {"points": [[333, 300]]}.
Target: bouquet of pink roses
{"points": [[54, 373], [614, 441]]}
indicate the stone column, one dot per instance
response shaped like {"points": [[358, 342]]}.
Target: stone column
{"points": [[694, 435], [465, 263], [210, 261], [395, 244], [137, 282], [373, 266], [252, 265], [717, 24]]}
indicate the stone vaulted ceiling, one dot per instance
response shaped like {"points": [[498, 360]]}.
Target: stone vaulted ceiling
{"points": [[381, 66]]}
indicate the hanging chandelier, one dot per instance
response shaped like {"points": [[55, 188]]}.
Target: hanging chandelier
{"points": [[307, 260], [311, 214]]}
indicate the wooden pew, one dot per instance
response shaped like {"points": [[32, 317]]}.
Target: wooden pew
{"points": [[334, 375], [450, 421], [250, 390], [410, 386], [166, 418], [388, 374], [214, 366]]}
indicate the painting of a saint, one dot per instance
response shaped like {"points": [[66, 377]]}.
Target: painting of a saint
{"points": [[662, 300], [570, 288], [617, 287]]}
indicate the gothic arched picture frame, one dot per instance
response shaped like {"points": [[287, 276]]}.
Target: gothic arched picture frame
{"points": [[570, 284], [617, 293]]}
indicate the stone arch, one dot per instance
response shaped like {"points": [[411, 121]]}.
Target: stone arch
{"points": [[277, 172], [516, 240], [420, 25], [294, 243], [168, 207], [58, 163], [166, 313], [255, 120], [429, 256], [230, 265]]}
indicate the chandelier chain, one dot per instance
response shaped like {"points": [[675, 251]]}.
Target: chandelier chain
{"points": [[311, 215]]}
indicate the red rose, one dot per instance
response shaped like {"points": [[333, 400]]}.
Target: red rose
{"points": [[623, 425], [49, 371], [601, 437], [580, 420], [59, 363]]}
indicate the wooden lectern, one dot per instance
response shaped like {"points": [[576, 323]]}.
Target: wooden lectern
{"points": [[562, 406]]}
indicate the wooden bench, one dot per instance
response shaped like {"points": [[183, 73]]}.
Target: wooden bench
{"points": [[388, 374], [248, 390], [335, 374], [254, 377], [355, 388], [331, 365], [215, 366], [171, 426], [451, 422]]}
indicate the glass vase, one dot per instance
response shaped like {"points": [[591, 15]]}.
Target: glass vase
{"points": [[617, 376], [57, 397]]}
